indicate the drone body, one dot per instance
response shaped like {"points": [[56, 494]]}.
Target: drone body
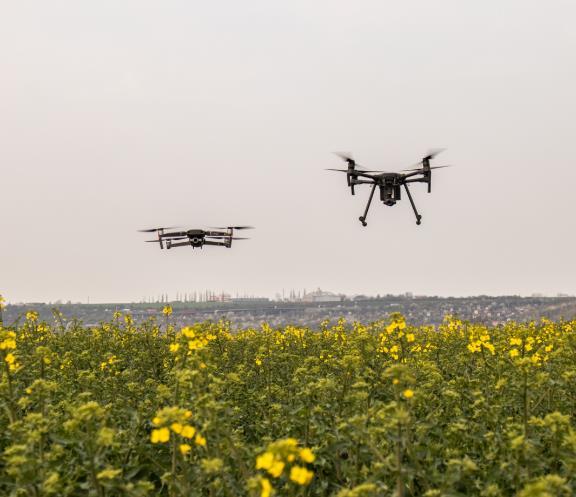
{"points": [[195, 238], [389, 184]]}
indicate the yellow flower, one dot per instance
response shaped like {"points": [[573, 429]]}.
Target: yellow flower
{"points": [[307, 455], [176, 428], [515, 341], [276, 469], [395, 381], [160, 435], [200, 440], [408, 393], [188, 431], [410, 337], [174, 347], [184, 449], [266, 487], [9, 343], [188, 332], [265, 460], [157, 421], [167, 310], [258, 362], [10, 358], [514, 353], [32, 316], [301, 475]]}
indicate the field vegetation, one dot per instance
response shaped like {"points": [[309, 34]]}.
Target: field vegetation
{"points": [[347, 410]]}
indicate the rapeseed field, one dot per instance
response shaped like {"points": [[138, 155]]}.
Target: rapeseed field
{"points": [[346, 410]]}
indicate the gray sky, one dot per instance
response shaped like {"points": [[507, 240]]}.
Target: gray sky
{"points": [[117, 115]]}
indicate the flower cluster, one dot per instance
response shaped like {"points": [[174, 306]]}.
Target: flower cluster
{"points": [[177, 421], [283, 458]]}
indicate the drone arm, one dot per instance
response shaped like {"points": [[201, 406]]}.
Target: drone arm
{"points": [[418, 216], [179, 244], [416, 180], [361, 182], [221, 244], [410, 175]]}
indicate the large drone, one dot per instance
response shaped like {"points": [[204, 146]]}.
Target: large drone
{"points": [[390, 184], [195, 238]]}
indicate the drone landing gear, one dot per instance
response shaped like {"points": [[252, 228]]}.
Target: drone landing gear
{"points": [[363, 218], [418, 216]]}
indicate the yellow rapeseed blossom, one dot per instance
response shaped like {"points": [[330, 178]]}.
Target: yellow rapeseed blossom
{"points": [[188, 332], [188, 431], [408, 393], [514, 353], [167, 311], [184, 449], [32, 316], [410, 337], [266, 487], [9, 342], [515, 341], [160, 435], [200, 440], [264, 461], [307, 455], [300, 475], [176, 428], [10, 358], [174, 347], [276, 468]]}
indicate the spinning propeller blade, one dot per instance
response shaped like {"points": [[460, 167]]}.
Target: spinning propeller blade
{"points": [[151, 230], [421, 169], [232, 227]]}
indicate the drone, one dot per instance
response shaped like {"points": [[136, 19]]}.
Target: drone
{"points": [[195, 238], [390, 184]]}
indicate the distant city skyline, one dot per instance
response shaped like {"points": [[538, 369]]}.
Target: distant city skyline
{"points": [[216, 295]]}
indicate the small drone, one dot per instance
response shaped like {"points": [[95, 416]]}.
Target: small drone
{"points": [[195, 238], [389, 183]]}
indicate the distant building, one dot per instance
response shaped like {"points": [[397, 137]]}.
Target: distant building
{"points": [[321, 296]]}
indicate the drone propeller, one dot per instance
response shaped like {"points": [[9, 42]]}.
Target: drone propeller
{"points": [[422, 169], [171, 239], [346, 156], [151, 230], [232, 227], [433, 153], [355, 170]]}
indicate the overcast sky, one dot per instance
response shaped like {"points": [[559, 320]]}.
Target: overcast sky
{"points": [[117, 115]]}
